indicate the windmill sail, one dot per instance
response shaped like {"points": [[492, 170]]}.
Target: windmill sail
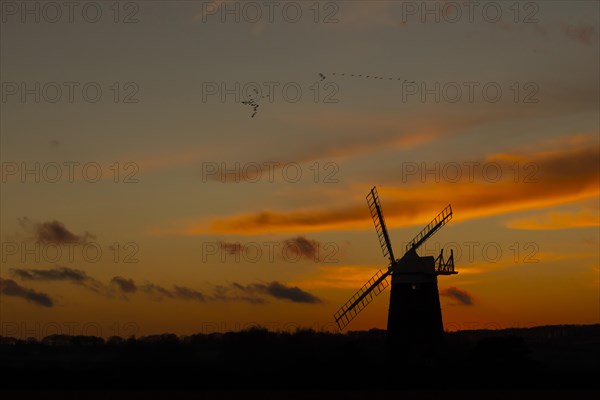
{"points": [[440, 220], [361, 298], [380, 228]]}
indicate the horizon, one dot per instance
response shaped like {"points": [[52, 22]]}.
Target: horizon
{"points": [[300, 330]]}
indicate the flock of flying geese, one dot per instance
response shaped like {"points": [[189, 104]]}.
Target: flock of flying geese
{"points": [[323, 77], [253, 101]]}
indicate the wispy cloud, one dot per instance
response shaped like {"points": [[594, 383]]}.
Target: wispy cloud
{"points": [[460, 295], [54, 232], [8, 287], [66, 274], [237, 292], [277, 290], [254, 293], [123, 284], [295, 248], [178, 292], [339, 277], [302, 247], [561, 177], [556, 220]]}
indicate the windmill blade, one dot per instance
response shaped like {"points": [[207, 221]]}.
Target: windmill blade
{"points": [[361, 298], [440, 220], [377, 215]]}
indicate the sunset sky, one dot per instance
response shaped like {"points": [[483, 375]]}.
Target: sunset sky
{"points": [[165, 205]]}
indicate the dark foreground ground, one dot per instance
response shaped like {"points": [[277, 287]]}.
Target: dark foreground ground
{"points": [[550, 361]]}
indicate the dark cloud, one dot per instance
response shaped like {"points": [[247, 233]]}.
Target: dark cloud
{"points": [[54, 274], [295, 248], [278, 291], [460, 295], [53, 232], [303, 248], [57, 232], [293, 293], [236, 292], [123, 284], [158, 292], [182, 292], [75, 276], [253, 293], [9, 287], [178, 292]]}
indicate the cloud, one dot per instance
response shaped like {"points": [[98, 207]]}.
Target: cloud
{"points": [[182, 292], [75, 276], [54, 232], [302, 247], [277, 290], [274, 221], [9, 287], [123, 284], [292, 293], [555, 177], [339, 277], [344, 135], [253, 293], [179, 292], [236, 292], [158, 292], [556, 220], [293, 249], [460, 295]]}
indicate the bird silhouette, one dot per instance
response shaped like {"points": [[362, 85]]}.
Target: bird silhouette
{"points": [[252, 103]]}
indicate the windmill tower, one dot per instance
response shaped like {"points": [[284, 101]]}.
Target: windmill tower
{"points": [[414, 315]]}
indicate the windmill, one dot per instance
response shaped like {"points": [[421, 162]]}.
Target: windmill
{"points": [[414, 314]]}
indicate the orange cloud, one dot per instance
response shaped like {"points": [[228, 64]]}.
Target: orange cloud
{"points": [[339, 277], [558, 178], [556, 220]]}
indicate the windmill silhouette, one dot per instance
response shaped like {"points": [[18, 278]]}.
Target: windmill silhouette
{"points": [[414, 314]]}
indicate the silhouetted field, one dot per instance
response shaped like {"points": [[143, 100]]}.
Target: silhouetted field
{"points": [[553, 358]]}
